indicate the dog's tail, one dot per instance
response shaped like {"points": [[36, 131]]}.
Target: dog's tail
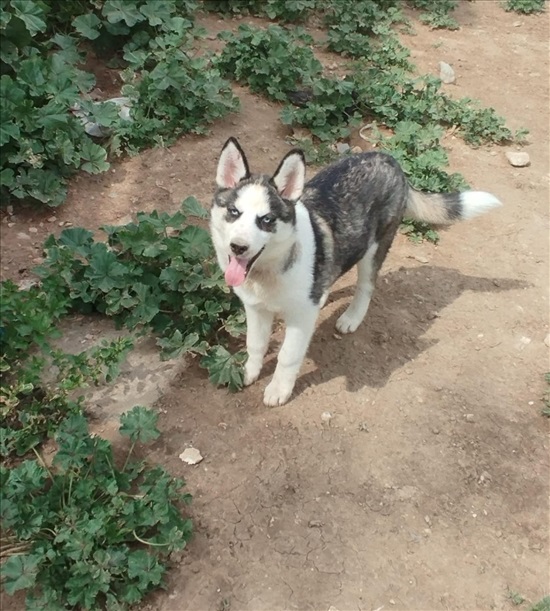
{"points": [[446, 208]]}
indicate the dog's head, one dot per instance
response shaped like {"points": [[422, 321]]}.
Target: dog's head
{"points": [[253, 216]]}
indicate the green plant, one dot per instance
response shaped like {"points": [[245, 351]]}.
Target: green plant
{"points": [[515, 598], [290, 11], [32, 404], [437, 13], [316, 153], [271, 61], [527, 7], [542, 605], [158, 273], [45, 93], [87, 533]]}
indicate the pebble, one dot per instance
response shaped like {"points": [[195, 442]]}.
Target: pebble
{"points": [[342, 147], [356, 149], [421, 259], [326, 417], [469, 417], [51, 219], [11, 224], [518, 159], [33, 230], [23, 236], [546, 339], [315, 524], [446, 73], [427, 520], [191, 456], [9, 210]]}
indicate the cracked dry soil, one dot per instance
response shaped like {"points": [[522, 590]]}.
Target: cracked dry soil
{"points": [[428, 488]]}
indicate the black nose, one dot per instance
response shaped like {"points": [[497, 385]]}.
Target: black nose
{"points": [[238, 249]]}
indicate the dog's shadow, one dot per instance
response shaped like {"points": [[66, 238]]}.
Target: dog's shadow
{"points": [[405, 304]]}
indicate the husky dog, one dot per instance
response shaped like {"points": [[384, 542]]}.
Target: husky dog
{"points": [[282, 243]]}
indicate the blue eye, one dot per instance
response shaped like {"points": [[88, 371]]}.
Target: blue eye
{"points": [[233, 211], [267, 221]]}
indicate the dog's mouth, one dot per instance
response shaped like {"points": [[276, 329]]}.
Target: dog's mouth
{"points": [[238, 269]]}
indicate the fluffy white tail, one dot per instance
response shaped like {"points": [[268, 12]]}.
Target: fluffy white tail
{"points": [[446, 208]]}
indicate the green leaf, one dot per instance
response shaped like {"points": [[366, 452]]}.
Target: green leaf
{"points": [[77, 239], [19, 572], [8, 130], [95, 157], [225, 369], [122, 10], [105, 271], [140, 424], [192, 207], [87, 25], [145, 568], [31, 14]]}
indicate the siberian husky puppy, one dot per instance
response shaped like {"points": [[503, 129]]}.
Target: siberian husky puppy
{"points": [[282, 242]]}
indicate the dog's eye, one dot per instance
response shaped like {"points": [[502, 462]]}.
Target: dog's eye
{"points": [[233, 212], [267, 221]]}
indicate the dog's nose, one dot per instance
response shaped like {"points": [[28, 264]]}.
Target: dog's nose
{"points": [[238, 249]]}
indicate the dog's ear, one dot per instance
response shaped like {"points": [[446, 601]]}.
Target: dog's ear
{"points": [[290, 176], [232, 166]]}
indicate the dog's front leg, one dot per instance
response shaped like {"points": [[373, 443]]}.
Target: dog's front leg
{"points": [[258, 330], [299, 329]]}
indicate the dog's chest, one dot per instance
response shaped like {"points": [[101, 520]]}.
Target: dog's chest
{"points": [[265, 289]]}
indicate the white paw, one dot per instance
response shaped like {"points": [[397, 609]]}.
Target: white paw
{"points": [[251, 374], [277, 393], [347, 324]]}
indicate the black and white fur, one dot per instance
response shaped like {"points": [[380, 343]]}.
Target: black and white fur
{"points": [[283, 243]]}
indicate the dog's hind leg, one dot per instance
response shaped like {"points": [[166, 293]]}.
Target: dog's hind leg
{"points": [[258, 331], [367, 270]]}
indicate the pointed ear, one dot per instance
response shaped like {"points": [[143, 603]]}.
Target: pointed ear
{"points": [[232, 166], [290, 175]]}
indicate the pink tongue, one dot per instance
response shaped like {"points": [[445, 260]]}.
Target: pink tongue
{"points": [[235, 274]]}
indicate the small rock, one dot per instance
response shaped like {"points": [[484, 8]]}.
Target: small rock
{"points": [[436, 431], [546, 339], [9, 210], [484, 477], [498, 534], [342, 147], [336, 336], [326, 417], [51, 219], [518, 159], [421, 259], [409, 372], [89, 336], [363, 427], [469, 417], [61, 223], [33, 230], [23, 236], [315, 524], [427, 520], [38, 260], [11, 224], [517, 24], [356, 149], [392, 602], [446, 73], [191, 456]]}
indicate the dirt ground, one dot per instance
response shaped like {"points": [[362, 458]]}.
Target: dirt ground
{"points": [[428, 487]]}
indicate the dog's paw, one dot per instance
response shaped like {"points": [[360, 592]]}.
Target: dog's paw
{"points": [[347, 324], [277, 393], [251, 374]]}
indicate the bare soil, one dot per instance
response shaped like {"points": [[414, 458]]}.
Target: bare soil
{"points": [[427, 487]]}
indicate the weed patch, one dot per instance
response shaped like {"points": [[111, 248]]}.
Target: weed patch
{"points": [[87, 533]]}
